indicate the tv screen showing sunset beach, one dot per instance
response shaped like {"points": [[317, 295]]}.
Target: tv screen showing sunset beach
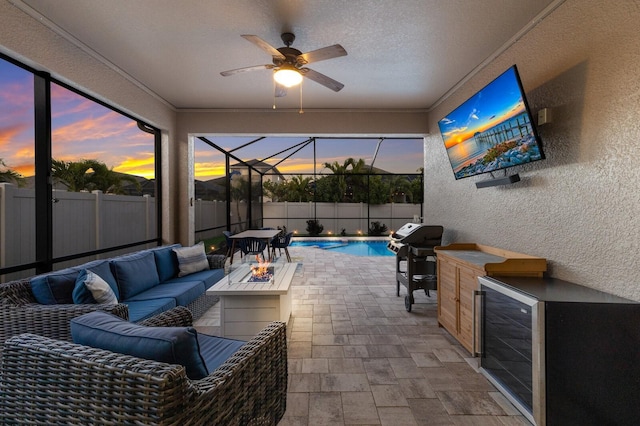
{"points": [[492, 130]]}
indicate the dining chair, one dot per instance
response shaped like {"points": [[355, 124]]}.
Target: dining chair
{"points": [[281, 242], [254, 246], [229, 242]]}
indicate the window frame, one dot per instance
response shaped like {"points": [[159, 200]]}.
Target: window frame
{"points": [[44, 259]]}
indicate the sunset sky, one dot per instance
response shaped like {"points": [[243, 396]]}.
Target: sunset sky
{"points": [[498, 101], [83, 129]]}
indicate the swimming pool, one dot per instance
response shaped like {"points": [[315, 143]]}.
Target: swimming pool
{"points": [[357, 248]]}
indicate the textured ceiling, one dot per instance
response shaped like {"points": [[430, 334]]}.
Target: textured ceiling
{"points": [[403, 54]]}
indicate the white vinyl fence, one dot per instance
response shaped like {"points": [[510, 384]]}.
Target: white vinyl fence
{"points": [[82, 222], [334, 217]]}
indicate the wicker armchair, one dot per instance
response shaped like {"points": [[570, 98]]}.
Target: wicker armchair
{"points": [[46, 381], [21, 313]]}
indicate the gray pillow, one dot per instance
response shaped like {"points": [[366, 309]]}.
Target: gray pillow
{"points": [[100, 290], [191, 259]]}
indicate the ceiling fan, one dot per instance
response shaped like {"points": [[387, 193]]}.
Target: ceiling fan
{"points": [[289, 63]]}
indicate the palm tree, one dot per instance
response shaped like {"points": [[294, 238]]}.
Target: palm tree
{"points": [[239, 192], [106, 180], [399, 188], [339, 170], [89, 175], [10, 175], [299, 188], [349, 166], [277, 191]]}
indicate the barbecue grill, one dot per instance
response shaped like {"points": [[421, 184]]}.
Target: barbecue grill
{"points": [[414, 245]]}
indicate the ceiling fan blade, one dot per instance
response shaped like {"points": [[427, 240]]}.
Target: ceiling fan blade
{"points": [[319, 78], [245, 69], [281, 91], [328, 52], [263, 45]]}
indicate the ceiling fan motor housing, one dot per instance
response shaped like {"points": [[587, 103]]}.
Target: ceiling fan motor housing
{"points": [[291, 57]]}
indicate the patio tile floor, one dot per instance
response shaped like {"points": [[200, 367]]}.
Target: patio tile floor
{"points": [[357, 357]]}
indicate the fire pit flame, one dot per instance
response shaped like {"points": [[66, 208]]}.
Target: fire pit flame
{"points": [[262, 272]]}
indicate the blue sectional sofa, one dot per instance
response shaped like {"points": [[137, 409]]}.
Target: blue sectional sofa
{"points": [[144, 284]]}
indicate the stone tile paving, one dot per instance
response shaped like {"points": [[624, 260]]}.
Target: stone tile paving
{"points": [[357, 357]]}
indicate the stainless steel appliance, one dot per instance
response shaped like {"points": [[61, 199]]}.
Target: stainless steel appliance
{"points": [[413, 245], [562, 353]]}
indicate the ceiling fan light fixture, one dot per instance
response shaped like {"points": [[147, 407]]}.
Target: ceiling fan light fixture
{"points": [[287, 76]]}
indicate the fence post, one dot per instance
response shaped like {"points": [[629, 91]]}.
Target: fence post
{"points": [[286, 215], [147, 221], [99, 225]]}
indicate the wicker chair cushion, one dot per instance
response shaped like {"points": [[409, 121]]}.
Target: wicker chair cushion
{"points": [[209, 277], [135, 273], [171, 345], [191, 259], [81, 294], [184, 292], [54, 288], [216, 350], [166, 262], [142, 309]]}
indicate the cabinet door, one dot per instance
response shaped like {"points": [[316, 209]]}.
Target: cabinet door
{"points": [[468, 279], [447, 295]]}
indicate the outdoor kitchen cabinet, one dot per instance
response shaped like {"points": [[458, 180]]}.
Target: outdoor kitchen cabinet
{"points": [[458, 268]]}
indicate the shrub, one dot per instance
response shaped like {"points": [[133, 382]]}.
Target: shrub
{"points": [[377, 230], [314, 228]]}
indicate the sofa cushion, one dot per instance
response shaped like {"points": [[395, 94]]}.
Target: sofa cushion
{"points": [[166, 262], [91, 288], [184, 292], [172, 345], [54, 287], [142, 309], [135, 273], [209, 277], [103, 269], [191, 259], [216, 350]]}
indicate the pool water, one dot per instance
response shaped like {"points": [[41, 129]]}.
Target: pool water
{"points": [[357, 248]]}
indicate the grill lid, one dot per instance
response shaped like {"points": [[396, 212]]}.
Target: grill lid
{"points": [[418, 234]]}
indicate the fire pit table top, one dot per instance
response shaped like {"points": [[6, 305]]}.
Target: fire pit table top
{"points": [[240, 281]]}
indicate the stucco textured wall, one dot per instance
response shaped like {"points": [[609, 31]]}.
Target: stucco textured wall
{"points": [[579, 208]]}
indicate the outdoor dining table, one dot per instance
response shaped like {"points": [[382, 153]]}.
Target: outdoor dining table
{"points": [[266, 234]]}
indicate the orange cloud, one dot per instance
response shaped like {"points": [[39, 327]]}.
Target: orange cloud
{"points": [[8, 134], [109, 125], [144, 167], [299, 168], [207, 171]]}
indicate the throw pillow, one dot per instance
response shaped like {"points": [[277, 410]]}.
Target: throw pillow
{"points": [[172, 345], [191, 259], [55, 287], [91, 288]]}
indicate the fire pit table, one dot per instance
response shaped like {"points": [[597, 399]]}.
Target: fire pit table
{"points": [[252, 295]]}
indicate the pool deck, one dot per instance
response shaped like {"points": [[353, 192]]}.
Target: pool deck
{"points": [[356, 356], [340, 238]]}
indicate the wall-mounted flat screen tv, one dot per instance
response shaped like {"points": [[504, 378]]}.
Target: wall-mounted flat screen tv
{"points": [[492, 130]]}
